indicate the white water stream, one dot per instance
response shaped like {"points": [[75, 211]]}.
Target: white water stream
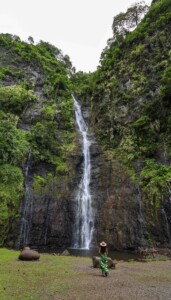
{"points": [[83, 225], [26, 209]]}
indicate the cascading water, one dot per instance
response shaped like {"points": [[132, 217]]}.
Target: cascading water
{"points": [[166, 224], [26, 209], [83, 225], [169, 191], [140, 219]]}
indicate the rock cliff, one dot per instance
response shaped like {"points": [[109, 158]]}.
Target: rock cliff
{"points": [[36, 103], [126, 105], [129, 98]]}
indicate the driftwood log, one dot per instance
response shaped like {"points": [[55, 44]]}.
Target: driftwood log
{"points": [[96, 262], [28, 254]]}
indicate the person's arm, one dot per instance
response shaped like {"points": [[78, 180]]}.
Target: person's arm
{"points": [[99, 250], [107, 252]]}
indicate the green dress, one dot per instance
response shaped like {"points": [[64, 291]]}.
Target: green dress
{"points": [[103, 263]]}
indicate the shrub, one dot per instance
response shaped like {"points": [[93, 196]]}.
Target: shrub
{"points": [[15, 98], [11, 193], [13, 143]]}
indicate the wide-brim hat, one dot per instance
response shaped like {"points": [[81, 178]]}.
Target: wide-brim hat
{"points": [[103, 244]]}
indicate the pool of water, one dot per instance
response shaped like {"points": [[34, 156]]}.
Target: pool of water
{"points": [[115, 255]]}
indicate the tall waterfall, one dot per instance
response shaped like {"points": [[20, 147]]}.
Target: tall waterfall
{"points": [[26, 209], [83, 225]]}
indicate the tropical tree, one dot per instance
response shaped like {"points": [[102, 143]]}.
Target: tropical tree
{"points": [[124, 22], [31, 40]]}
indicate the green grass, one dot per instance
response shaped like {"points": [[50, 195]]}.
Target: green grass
{"points": [[59, 277], [34, 280]]}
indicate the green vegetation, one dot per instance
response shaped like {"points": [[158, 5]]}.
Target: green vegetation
{"points": [[36, 116], [11, 192], [32, 280], [123, 22], [155, 178], [15, 98], [47, 143], [13, 143], [130, 94], [10, 72], [59, 277]]}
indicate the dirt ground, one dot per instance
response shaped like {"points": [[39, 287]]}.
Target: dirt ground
{"points": [[59, 277], [129, 281]]}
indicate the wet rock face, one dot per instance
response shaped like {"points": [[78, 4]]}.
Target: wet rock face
{"points": [[49, 213], [116, 219], [122, 215], [124, 218], [50, 224]]}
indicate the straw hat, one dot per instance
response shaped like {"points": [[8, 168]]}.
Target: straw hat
{"points": [[103, 244]]}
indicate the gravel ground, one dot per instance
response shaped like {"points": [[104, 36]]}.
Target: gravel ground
{"points": [[130, 280]]}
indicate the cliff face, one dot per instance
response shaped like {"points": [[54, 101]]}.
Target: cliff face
{"points": [[126, 104], [38, 142], [125, 216], [130, 116], [129, 96]]}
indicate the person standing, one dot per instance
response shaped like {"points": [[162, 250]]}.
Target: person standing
{"points": [[103, 251]]}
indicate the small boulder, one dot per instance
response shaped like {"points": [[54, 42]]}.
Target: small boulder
{"points": [[28, 254], [65, 253]]}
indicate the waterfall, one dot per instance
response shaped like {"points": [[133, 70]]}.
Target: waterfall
{"points": [[83, 224], [167, 229], [169, 191], [26, 209], [140, 219]]}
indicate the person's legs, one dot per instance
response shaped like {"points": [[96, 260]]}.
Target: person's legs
{"points": [[103, 264]]}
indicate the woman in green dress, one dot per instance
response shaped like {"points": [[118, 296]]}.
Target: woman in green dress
{"points": [[103, 251]]}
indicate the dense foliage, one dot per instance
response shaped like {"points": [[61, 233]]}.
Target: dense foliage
{"points": [[130, 97], [123, 22], [36, 116]]}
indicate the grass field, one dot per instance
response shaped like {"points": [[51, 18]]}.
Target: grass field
{"points": [[67, 277], [34, 280]]}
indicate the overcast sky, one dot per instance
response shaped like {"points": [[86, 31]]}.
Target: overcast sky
{"points": [[80, 28]]}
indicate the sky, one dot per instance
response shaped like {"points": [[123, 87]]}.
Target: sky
{"points": [[80, 28]]}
